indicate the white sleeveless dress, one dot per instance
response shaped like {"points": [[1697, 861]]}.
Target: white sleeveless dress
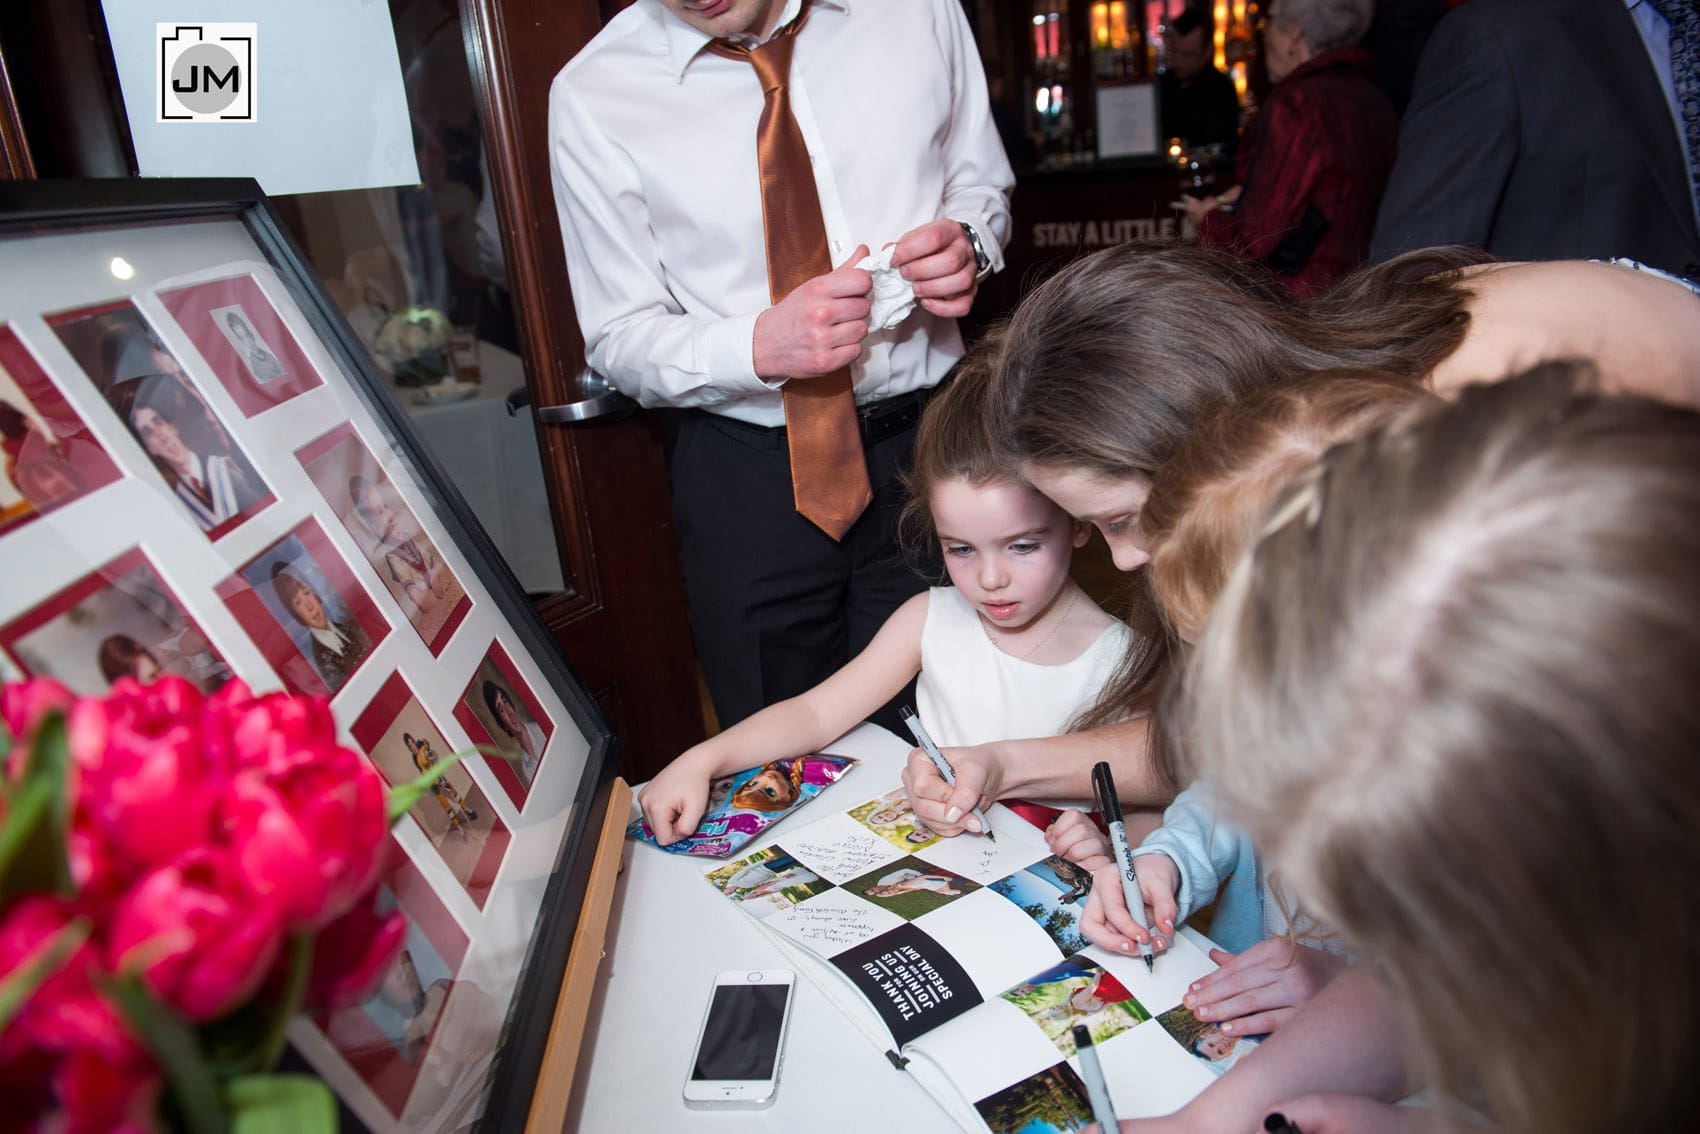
{"points": [[971, 692]]}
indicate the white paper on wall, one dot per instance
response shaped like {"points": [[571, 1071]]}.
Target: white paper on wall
{"points": [[304, 96]]}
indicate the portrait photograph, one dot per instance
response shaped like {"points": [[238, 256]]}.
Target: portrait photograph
{"points": [[151, 392], [402, 741], [386, 1037], [301, 605], [498, 710], [372, 511], [48, 457], [244, 340], [119, 621]]}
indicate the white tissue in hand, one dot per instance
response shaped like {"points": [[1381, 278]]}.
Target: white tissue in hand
{"points": [[893, 298]]}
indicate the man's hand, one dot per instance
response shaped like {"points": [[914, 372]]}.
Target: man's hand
{"points": [[938, 262], [818, 328]]}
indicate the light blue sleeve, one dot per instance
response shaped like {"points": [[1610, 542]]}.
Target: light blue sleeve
{"points": [[1213, 858], [1202, 849]]}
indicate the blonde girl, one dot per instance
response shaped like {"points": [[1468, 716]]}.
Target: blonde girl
{"points": [[1449, 693]]}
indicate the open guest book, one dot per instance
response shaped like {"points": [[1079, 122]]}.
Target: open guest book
{"points": [[963, 959]]}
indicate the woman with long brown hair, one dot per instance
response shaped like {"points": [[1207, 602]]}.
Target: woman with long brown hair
{"points": [[1105, 368]]}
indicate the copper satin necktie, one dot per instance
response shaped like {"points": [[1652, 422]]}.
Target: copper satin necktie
{"points": [[829, 476]]}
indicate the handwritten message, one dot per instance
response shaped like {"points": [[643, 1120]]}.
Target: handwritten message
{"points": [[827, 926], [844, 856]]}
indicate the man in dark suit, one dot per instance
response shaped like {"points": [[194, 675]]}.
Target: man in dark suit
{"points": [[1539, 130]]}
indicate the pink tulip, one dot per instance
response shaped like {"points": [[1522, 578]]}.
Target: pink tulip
{"points": [[97, 1096], [272, 734], [310, 840], [196, 933], [22, 706], [146, 783], [352, 955], [65, 1013]]}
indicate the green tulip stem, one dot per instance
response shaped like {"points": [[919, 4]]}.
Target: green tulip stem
{"points": [[294, 992], [402, 797]]}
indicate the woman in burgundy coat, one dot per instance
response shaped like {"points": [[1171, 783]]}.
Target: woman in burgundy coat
{"points": [[1318, 155]]}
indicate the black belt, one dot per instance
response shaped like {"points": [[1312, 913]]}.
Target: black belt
{"points": [[879, 420]]}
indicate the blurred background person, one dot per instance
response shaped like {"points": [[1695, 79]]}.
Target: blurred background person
{"points": [[1317, 156], [1198, 102], [1551, 130]]}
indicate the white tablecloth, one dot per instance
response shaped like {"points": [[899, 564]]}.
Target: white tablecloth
{"points": [[493, 460]]}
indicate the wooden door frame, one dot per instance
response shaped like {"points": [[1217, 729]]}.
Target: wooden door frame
{"points": [[591, 469], [16, 162]]}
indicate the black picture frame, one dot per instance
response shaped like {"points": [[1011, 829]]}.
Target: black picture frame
{"points": [[147, 210]]}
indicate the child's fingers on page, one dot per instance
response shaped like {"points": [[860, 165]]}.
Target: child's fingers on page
{"points": [[1258, 1023], [1236, 975], [1267, 998]]}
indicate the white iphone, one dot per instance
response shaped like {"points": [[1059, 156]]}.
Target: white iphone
{"points": [[737, 1057]]}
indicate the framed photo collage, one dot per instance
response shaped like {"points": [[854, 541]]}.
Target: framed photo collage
{"points": [[202, 474]]}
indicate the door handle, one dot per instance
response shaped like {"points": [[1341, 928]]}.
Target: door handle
{"points": [[600, 401]]}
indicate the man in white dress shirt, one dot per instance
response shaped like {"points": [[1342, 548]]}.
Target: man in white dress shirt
{"points": [[653, 147]]}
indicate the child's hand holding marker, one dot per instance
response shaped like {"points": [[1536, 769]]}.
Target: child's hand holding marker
{"points": [[1107, 922]]}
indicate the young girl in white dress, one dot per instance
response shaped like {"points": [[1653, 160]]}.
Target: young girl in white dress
{"points": [[1012, 649]]}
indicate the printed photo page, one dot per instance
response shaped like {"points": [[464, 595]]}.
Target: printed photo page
{"points": [[964, 958]]}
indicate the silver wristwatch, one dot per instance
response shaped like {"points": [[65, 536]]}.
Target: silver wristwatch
{"points": [[982, 262]]}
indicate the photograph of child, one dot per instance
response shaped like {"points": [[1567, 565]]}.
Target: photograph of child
{"points": [[768, 881], [303, 609], [245, 342], [1036, 892], [1204, 1041], [119, 621], [910, 887], [893, 819], [47, 455], [152, 394], [1051, 1102], [498, 710], [255, 355], [403, 742], [366, 502], [386, 1037], [1077, 992]]}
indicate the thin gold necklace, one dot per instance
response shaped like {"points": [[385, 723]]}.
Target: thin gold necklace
{"points": [[1055, 626]]}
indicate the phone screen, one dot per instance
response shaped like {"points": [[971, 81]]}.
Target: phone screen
{"points": [[741, 1038]]}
